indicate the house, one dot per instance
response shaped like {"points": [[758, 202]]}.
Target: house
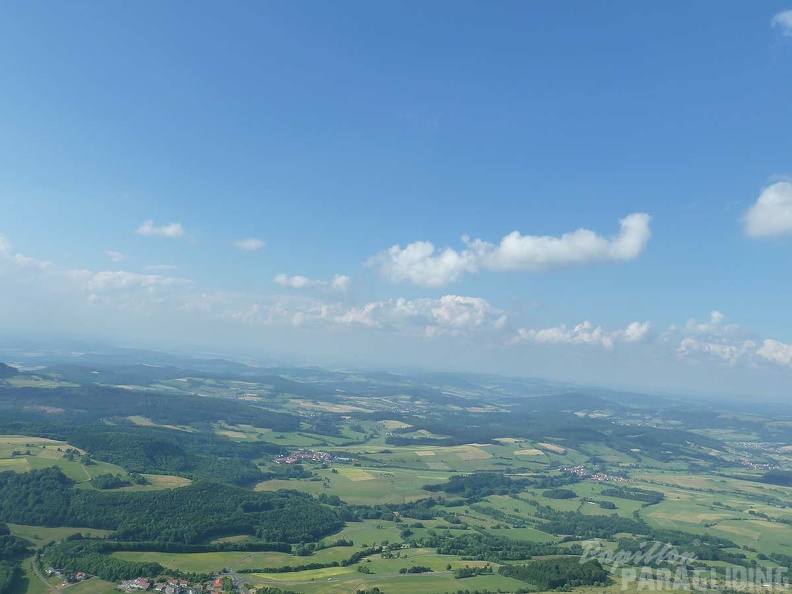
{"points": [[80, 576], [140, 584], [218, 583]]}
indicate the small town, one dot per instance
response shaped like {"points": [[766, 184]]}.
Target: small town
{"points": [[170, 586], [582, 471], [310, 456]]}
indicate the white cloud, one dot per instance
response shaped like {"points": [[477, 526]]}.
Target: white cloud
{"points": [[453, 315], [117, 288], [783, 20], [249, 245], [170, 231], [114, 280], [418, 264], [7, 253], [115, 256], [422, 264], [585, 333], [772, 213], [732, 351], [450, 315], [338, 283], [775, 351], [635, 332], [714, 340]]}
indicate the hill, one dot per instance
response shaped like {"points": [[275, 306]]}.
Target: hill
{"points": [[7, 371]]}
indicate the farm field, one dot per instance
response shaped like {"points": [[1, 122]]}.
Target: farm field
{"points": [[413, 489], [187, 562], [41, 535]]}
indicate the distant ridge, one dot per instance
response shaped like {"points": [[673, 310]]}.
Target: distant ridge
{"points": [[7, 371]]}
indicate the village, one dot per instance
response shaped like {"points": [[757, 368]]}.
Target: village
{"points": [[143, 584], [583, 472], [172, 586], [310, 456]]}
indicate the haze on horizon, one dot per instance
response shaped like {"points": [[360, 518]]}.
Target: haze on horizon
{"points": [[596, 194]]}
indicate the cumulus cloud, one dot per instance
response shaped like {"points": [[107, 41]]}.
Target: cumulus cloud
{"points": [[775, 351], [585, 333], [8, 254], [249, 245], [772, 213], [713, 339], [783, 21], [115, 256], [422, 264], [451, 315], [114, 280], [122, 289], [338, 283], [170, 231]]}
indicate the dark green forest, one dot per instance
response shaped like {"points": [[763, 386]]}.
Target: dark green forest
{"points": [[190, 514]]}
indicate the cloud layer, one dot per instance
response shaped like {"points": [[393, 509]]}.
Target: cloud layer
{"points": [[783, 21], [422, 264], [772, 213], [249, 245], [338, 283], [585, 333], [169, 231], [712, 343]]}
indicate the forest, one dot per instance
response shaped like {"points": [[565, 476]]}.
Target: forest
{"points": [[561, 572], [191, 514]]}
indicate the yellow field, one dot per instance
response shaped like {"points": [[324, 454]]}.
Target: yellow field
{"points": [[16, 464], [530, 452], [329, 407], [146, 422], [356, 474], [438, 466], [393, 424], [553, 448], [310, 575], [158, 482], [469, 452], [425, 453]]}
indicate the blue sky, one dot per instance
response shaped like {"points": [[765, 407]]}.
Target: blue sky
{"points": [[359, 142]]}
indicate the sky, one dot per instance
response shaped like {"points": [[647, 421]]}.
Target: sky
{"points": [[592, 192]]}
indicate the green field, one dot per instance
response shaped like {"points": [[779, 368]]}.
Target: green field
{"points": [[40, 535], [345, 580], [364, 485], [708, 487], [188, 562]]}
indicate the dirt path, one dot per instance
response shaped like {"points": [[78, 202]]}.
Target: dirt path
{"points": [[38, 573]]}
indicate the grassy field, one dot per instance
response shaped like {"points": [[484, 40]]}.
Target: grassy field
{"points": [[696, 502], [364, 486], [40, 535], [343, 580], [159, 481], [22, 454], [93, 586], [188, 562]]}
